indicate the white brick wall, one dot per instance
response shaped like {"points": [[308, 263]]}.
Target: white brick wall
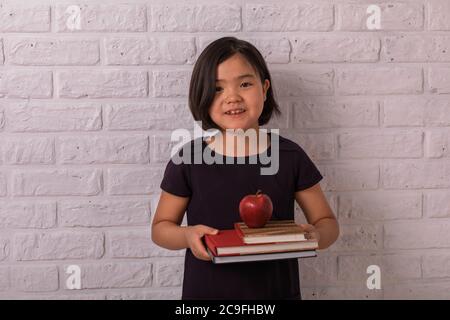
{"points": [[86, 116]]}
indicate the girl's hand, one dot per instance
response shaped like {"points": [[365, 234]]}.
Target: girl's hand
{"points": [[194, 236], [311, 230]]}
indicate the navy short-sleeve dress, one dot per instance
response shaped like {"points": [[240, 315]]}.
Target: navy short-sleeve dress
{"points": [[215, 191]]}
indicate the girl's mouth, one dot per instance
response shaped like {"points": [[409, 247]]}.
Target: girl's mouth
{"points": [[235, 113]]}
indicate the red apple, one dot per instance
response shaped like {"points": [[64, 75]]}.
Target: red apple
{"points": [[256, 209]]}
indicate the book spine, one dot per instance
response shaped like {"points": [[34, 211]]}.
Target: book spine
{"points": [[238, 230], [211, 245]]}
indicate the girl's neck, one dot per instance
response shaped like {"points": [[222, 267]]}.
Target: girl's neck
{"points": [[237, 143]]}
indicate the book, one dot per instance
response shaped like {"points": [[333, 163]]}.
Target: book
{"points": [[262, 257], [273, 231], [228, 242]]}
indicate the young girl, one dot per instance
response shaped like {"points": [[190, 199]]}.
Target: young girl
{"points": [[231, 89]]}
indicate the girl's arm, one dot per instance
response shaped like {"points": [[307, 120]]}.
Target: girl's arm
{"points": [[167, 231], [319, 215]]}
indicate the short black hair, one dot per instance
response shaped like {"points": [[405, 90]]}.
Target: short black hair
{"points": [[202, 88]]}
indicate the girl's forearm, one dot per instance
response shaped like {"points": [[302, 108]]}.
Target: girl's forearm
{"points": [[328, 229], [169, 235]]}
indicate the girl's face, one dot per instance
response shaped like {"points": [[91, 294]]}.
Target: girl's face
{"points": [[239, 88]]}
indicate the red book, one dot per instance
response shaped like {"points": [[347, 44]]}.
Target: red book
{"points": [[229, 243]]}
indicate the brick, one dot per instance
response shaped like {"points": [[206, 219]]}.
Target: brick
{"points": [[101, 18], [158, 294], [394, 16], [436, 265], [438, 15], [436, 112], [170, 83], [284, 120], [346, 292], [107, 275], [34, 18], [393, 267], [404, 235], [5, 276], [273, 49], [319, 146], [403, 111], [27, 215], [335, 48], [321, 270], [150, 50], [304, 81], [49, 117], [130, 244], [438, 80], [48, 52], [133, 149], [2, 117], [379, 80], [162, 148], [5, 248], [416, 111], [127, 296], [2, 56], [97, 213], [436, 204], [157, 251], [58, 245], [358, 238], [415, 174], [381, 144], [406, 48], [35, 278], [28, 150], [56, 182], [169, 273], [59, 296], [195, 18], [323, 112], [295, 17], [132, 181], [414, 290], [437, 143], [348, 177], [102, 84], [3, 184], [26, 84], [147, 116], [377, 205]]}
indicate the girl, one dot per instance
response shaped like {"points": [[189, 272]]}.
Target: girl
{"points": [[231, 89]]}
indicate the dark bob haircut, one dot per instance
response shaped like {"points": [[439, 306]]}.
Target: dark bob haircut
{"points": [[202, 89]]}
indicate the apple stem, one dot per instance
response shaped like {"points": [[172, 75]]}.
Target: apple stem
{"points": [[258, 192]]}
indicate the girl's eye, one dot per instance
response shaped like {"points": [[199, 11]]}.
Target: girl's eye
{"points": [[218, 89], [249, 84]]}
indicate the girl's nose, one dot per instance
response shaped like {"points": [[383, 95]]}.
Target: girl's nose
{"points": [[232, 96]]}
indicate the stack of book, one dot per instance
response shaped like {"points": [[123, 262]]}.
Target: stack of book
{"points": [[282, 239]]}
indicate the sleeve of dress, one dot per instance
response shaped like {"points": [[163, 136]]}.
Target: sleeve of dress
{"points": [[307, 173], [176, 179]]}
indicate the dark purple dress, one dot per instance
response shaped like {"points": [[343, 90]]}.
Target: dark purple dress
{"points": [[215, 191]]}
